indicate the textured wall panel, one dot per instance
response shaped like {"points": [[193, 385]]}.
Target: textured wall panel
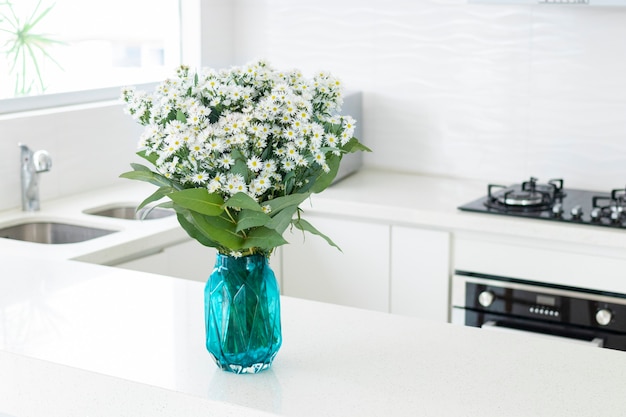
{"points": [[496, 93]]}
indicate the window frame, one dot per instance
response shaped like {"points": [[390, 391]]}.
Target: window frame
{"points": [[47, 101]]}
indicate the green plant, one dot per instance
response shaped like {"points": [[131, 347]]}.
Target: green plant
{"points": [[24, 48], [237, 151]]}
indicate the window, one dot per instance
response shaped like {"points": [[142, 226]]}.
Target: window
{"points": [[59, 46]]}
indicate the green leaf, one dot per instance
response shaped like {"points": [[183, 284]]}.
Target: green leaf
{"points": [[243, 201], [326, 178], [139, 167], [157, 195], [263, 238], [312, 172], [180, 116], [249, 218], [283, 219], [166, 204], [308, 227], [147, 176], [353, 145], [199, 200], [240, 166], [279, 203], [217, 228], [289, 181], [152, 157], [193, 231]]}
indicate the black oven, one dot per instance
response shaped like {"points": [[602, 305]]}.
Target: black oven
{"points": [[515, 305]]}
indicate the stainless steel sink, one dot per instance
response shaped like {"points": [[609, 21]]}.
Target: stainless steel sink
{"points": [[129, 213], [52, 232]]}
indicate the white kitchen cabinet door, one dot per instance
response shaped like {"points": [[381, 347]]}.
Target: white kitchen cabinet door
{"points": [[420, 272], [358, 276]]}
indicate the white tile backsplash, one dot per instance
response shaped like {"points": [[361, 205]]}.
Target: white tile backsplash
{"points": [[487, 92]]}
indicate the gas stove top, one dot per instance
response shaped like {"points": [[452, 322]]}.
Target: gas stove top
{"points": [[552, 201]]}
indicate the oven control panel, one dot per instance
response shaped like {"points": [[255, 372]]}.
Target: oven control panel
{"points": [[546, 303]]}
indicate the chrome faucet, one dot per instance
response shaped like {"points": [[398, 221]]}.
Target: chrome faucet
{"points": [[32, 164]]}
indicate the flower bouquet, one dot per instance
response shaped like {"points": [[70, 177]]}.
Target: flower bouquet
{"points": [[234, 153]]}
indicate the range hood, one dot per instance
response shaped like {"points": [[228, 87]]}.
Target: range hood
{"points": [[554, 3]]}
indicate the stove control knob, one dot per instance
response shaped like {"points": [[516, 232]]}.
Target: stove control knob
{"points": [[486, 298], [577, 212], [604, 316], [595, 214], [616, 216], [557, 210]]}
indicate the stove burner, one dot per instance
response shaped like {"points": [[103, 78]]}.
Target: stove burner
{"points": [[520, 198], [529, 196]]}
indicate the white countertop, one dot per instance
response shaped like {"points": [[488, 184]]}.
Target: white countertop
{"points": [[103, 332], [129, 343]]}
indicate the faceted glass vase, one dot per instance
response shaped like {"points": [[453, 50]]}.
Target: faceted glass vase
{"points": [[242, 313]]}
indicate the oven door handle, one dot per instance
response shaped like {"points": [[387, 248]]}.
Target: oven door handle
{"points": [[493, 326]]}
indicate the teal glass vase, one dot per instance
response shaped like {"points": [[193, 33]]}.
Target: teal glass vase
{"points": [[242, 313]]}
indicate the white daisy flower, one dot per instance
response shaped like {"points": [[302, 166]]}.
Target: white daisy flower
{"points": [[194, 118], [288, 165], [269, 166], [215, 145], [289, 134], [226, 161], [301, 161], [300, 143], [235, 184], [254, 164], [262, 184], [214, 186], [332, 140], [175, 141], [291, 152], [319, 158], [345, 137], [200, 177], [196, 149], [174, 127]]}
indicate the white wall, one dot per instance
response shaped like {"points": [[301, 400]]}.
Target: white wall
{"points": [[496, 93]]}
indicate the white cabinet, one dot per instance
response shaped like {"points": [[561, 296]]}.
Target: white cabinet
{"points": [[358, 276], [397, 269], [383, 267], [420, 272]]}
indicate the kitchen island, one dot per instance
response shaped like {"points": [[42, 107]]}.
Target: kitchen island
{"points": [[78, 339]]}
